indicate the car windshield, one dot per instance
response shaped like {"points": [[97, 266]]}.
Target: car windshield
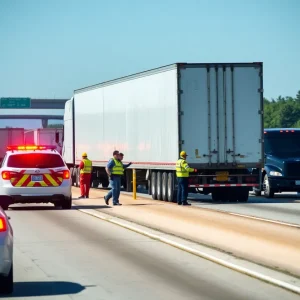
{"points": [[282, 144], [35, 160]]}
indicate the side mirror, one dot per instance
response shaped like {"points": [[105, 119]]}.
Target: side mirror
{"points": [[56, 137]]}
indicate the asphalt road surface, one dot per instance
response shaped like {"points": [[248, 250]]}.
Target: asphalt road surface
{"points": [[69, 255], [284, 207]]}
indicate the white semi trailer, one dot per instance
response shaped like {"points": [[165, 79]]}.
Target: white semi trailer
{"points": [[213, 111], [45, 136], [10, 137]]}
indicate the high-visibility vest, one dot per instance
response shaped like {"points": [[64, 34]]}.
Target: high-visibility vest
{"points": [[118, 168], [87, 169], [182, 168]]}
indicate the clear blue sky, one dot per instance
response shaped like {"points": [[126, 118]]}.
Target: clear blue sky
{"points": [[49, 48]]}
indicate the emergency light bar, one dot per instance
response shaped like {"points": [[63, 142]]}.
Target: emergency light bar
{"points": [[31, 147]]}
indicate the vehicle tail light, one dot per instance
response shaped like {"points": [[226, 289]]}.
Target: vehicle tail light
{"points": [[3, 224], [66, 174], [6, 175]]}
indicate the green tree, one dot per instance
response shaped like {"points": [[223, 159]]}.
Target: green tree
{"points": [[282, 112]]}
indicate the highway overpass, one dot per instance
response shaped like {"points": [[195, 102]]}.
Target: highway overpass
{"points": [[27, 108]]}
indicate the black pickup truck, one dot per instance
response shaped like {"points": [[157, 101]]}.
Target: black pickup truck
{"points": [[281, 172]]}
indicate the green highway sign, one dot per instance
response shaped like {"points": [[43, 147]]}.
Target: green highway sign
{"points": [[15, 102]]}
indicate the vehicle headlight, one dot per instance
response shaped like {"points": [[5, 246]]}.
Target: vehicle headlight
{"points": [[275, 173]]}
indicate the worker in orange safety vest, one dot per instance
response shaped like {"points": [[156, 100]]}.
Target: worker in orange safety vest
{"points": [[85, 167]]}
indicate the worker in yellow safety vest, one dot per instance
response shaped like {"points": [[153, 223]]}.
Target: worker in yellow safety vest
{"points": [[115, 171], [182, 173], [85, 167]]}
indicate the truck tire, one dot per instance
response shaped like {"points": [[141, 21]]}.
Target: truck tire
{"points": [[219, 195], [243, 195], [171, 192], [72, 175], [165, 186], [149, 187], [159, 185], [95, 183], [105, 183], [268, 192], [256, 192], [153, 185], [77, 177]]}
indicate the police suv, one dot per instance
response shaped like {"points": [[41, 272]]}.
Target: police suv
{"points": [[34, 174]]}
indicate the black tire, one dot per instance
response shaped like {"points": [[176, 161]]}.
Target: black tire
{"points": [[7, 282], [243, 195], [149, 187], [105, 183], [72, 175], [256, 192], [165, 186], [153, 185], [159, 185], [220, 195], [77, 177], [171, 192], [95, 183], [268, 192], [67, 203]]}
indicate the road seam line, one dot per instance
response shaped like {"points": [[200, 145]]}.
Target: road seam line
{"points": [[201, 254]]}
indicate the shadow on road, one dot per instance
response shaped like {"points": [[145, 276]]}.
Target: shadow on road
{"points": [[252, 200], [45, 288], [30, 207]]}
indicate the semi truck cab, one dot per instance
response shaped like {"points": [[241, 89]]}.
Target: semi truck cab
{"points": [[281, 172]]}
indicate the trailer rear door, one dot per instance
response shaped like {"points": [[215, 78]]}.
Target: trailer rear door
{"points": [[221, 114]]}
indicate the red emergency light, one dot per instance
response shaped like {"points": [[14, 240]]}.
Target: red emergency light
{"points": [[32, 147]]}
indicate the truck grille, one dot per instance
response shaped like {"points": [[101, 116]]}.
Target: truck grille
{"points": [[292, 169]]}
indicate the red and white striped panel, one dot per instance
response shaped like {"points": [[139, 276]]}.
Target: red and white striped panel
{"points": [[222, 185]]}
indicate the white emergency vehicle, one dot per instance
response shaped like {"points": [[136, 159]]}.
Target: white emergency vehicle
{"points": [[34, 174]]}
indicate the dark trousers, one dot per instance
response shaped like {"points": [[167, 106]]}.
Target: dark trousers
{"points": [[182, 193]]}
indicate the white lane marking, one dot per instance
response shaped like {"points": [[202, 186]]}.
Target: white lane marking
{"points": [[219, 261], [251, 217], [262, 219]]}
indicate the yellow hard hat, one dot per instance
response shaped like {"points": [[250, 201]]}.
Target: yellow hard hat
{"points": [[183, 153], [84, 154]]}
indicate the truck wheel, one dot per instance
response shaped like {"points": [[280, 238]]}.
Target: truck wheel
{"points": [[256, 192], [171, 192], [165, 186], [243, 195], [77, 177], [218, 195], [268, 192], [105, 183], [149, 187], [153, 185], [95, 183], [72, 175], [159, 185]]}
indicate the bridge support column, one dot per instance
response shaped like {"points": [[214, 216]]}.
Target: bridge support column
{"points": [[45, 123]]}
